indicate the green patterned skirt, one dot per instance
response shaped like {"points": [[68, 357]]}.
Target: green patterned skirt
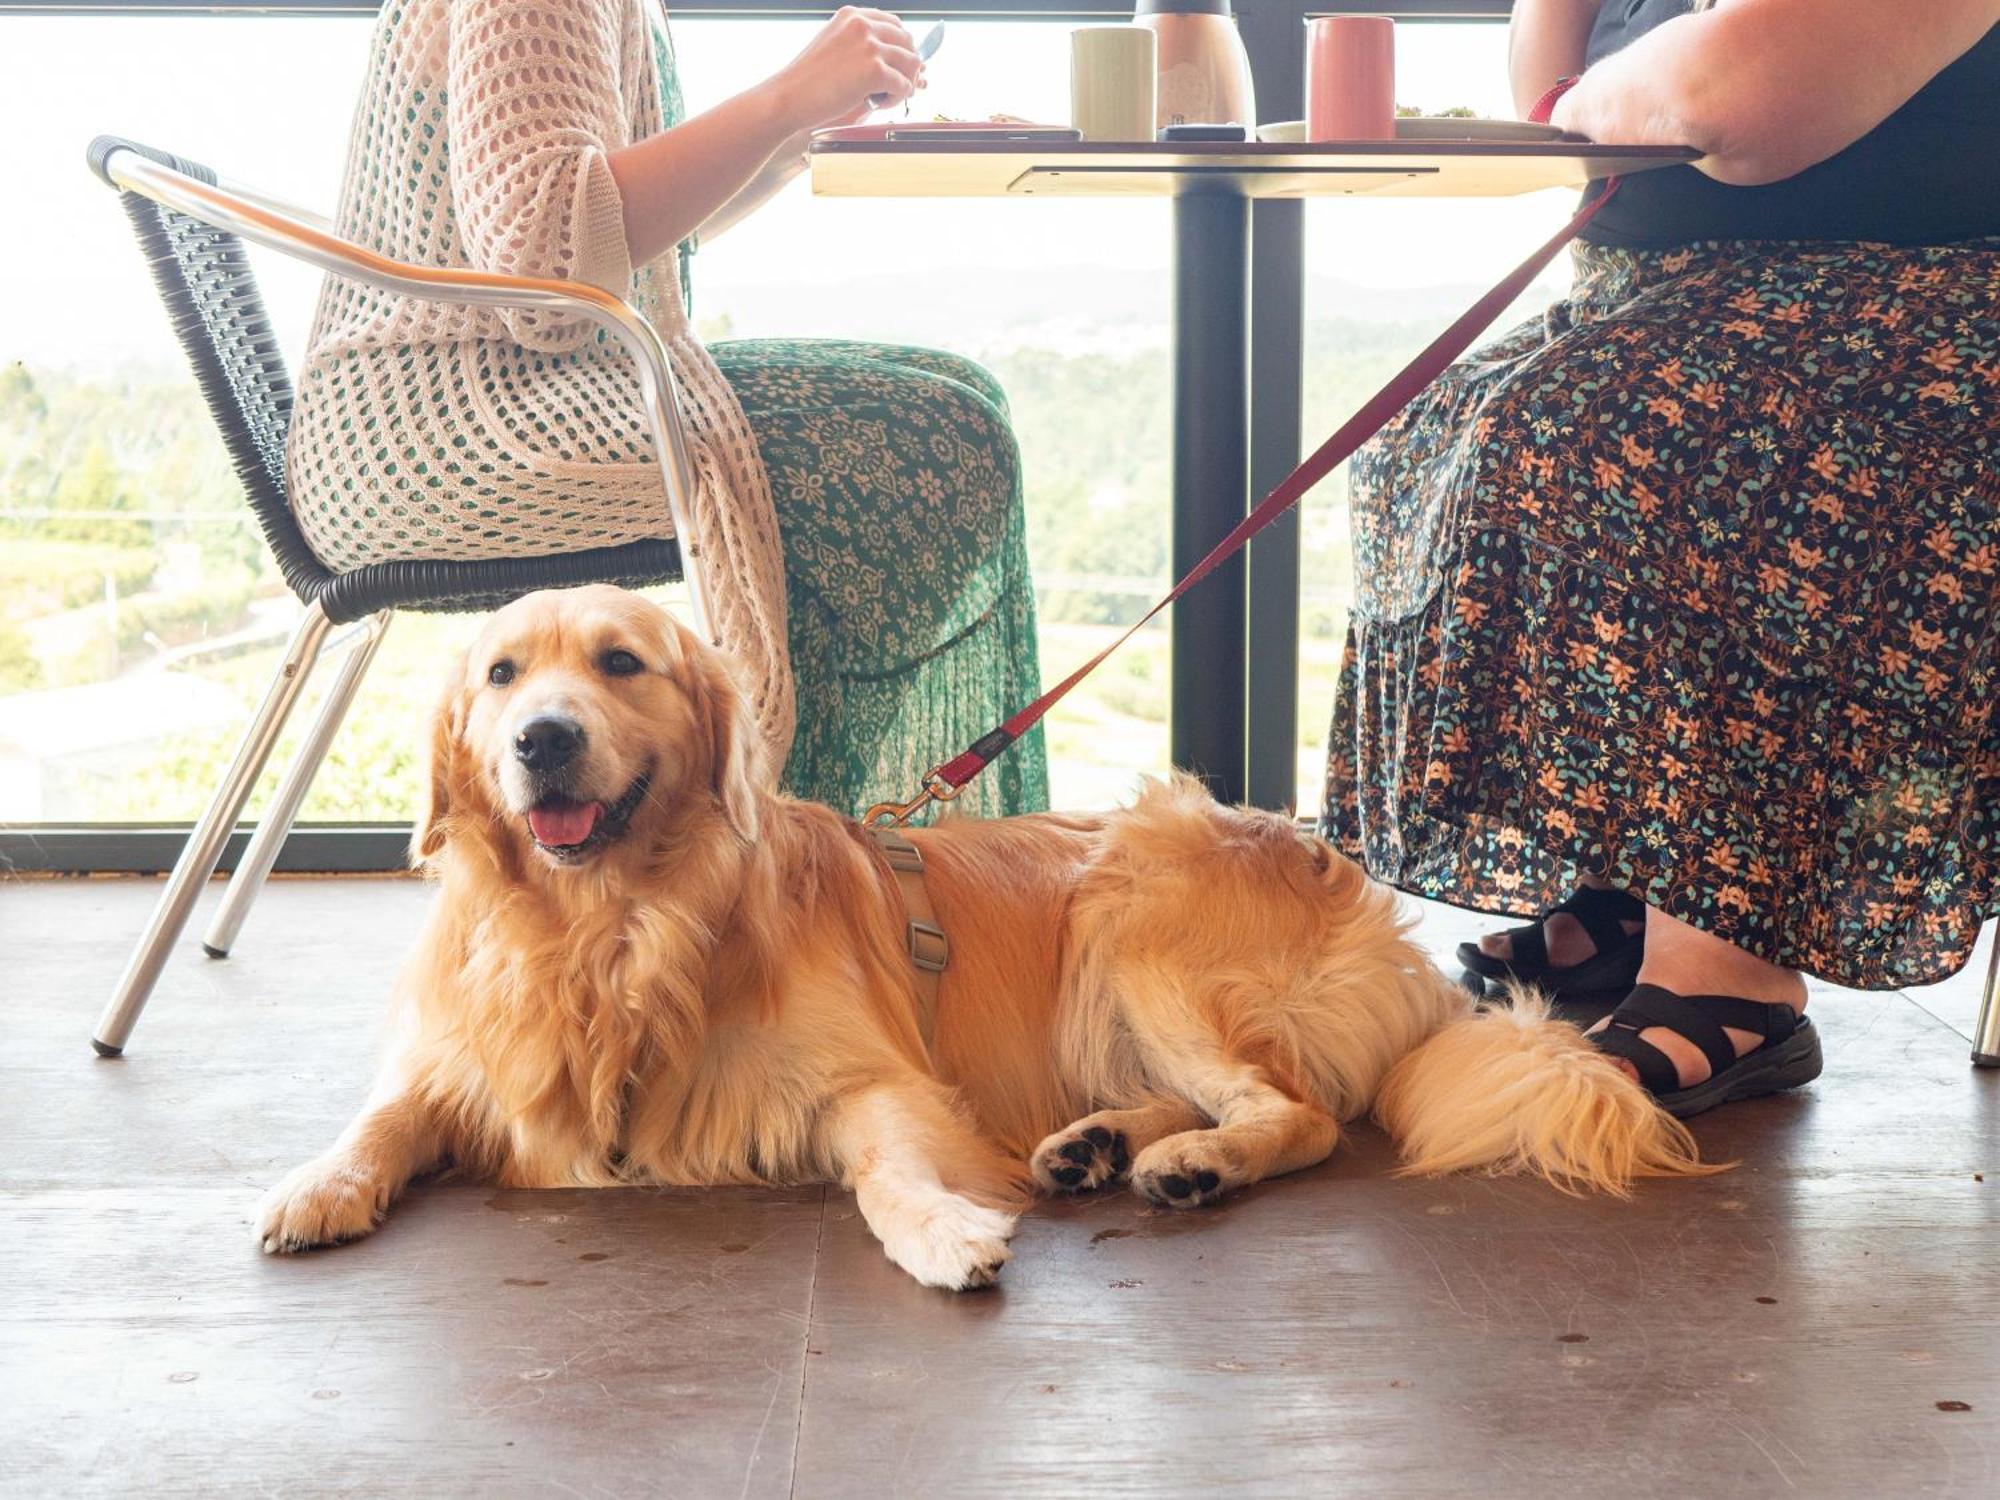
{"points": [[898, 490]]}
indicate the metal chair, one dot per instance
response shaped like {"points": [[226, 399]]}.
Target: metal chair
{"points": [[191, 226], [1986, 1033]]}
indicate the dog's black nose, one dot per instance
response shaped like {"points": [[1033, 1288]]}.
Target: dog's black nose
{"points": [[548, 743]]}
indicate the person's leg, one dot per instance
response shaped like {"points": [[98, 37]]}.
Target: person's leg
{"points": [[1408, 489], [1564, 936], [898, 487], [1697, 621], [1688, 961], [955, 367]]}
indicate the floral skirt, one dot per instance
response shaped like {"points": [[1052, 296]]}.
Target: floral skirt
{"points": [[1693, 583], [912, 613]]}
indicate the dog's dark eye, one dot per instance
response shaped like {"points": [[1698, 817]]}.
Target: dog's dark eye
{"points": [[500, 673], [622, 664]]}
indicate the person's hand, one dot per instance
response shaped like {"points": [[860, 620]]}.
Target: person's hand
{"points": [[859, 53]]}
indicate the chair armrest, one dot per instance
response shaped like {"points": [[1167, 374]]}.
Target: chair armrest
{"points": [[276, 225]]}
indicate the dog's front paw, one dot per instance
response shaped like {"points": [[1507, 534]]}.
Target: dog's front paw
{"points": [[956, 1245], [324, 1202], [1082, 1158], [1183, 1171]]}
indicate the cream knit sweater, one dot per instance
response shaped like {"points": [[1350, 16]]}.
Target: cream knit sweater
{"points": [[424, 430]]}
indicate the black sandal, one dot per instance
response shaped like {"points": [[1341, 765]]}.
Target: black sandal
{"points": [[1788, 1057], [1605, 977]]}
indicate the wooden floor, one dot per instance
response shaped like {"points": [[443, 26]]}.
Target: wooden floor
{"points": [[1819, 1322]]}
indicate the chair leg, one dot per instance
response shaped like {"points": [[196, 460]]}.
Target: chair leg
{"points": [[276, 824], [204, 845], [1986, 1035]]}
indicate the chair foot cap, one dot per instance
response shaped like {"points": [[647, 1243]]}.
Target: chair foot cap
{"points": [[214, 952], [1986, 1059], [105, 1049]]}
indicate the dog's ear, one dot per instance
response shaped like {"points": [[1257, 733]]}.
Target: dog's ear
{"points": [[427, 837], [736, 757]]}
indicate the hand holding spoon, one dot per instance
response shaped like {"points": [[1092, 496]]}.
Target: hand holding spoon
{"points": [[924, 50]]}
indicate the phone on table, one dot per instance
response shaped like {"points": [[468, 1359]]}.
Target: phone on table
{"points": [[1204, 133]]}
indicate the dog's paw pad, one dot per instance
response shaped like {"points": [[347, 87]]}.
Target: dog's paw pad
{"points": [[1080, 1161], [1178, 1185]]}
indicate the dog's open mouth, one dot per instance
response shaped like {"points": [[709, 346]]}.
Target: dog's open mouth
{"points": [[566, 829]]}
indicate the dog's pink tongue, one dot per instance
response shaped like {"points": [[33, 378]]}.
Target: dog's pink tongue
{"points": [[570, 823]]}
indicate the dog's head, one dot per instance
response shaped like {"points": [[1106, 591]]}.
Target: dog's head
{"points": [[581, 724]]}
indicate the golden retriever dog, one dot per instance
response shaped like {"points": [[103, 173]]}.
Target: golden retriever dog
{"points": [[644, 967]]}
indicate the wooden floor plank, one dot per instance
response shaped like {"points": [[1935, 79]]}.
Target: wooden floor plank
{"points": [[620, 1343], [1790, 1325], [483, 1343]]}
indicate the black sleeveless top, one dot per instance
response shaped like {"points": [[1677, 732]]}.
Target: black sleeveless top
{"points": [[1927, 175]]}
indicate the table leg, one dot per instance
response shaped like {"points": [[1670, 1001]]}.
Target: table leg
{"points": [[1211, 484], [1277, 336]]}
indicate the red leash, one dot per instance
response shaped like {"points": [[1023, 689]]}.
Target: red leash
{"points": [[946, 781]]}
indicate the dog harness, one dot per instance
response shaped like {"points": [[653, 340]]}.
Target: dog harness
{"points": [[928, 947]]}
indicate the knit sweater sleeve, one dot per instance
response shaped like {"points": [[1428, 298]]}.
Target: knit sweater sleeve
{"points": [[534, 103]]}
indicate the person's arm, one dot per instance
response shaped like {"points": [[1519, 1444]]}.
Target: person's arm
{"points": [[1767, 88], [1546, 40], [534, 93], [786, 163], [531, 87], [674, 182]]}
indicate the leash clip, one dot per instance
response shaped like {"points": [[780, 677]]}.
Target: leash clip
{"points": [[897, 814]]}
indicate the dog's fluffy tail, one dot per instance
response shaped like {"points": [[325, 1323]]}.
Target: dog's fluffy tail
{"points": [[1511, 1089]]}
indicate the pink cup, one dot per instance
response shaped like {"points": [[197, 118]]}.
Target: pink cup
{"points": [[1351, 78]]}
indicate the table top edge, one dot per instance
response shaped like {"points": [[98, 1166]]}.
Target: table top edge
{"points": [[1259, 150]]}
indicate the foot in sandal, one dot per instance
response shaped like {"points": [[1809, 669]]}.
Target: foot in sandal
{"points": [[1586, 948], [1708, 1023]]}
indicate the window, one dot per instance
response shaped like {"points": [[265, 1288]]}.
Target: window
{"points": [[139, 614], [140, 617]]}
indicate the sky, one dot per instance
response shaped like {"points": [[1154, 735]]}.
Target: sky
{"points": [[266, 100]]}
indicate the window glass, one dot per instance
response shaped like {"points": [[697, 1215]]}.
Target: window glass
{"points": [[140, 616]]}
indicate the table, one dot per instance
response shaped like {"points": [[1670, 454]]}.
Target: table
{"points": [[1213, 186]]}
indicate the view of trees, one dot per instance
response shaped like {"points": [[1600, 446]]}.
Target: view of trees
{"points": [[125, 548], [112, 493]]}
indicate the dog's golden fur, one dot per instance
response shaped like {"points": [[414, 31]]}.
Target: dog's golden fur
{"points": [[1192, 995]]}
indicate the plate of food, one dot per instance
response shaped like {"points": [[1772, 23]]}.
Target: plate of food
{"points": [[1431, 128], [996, 127]]}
